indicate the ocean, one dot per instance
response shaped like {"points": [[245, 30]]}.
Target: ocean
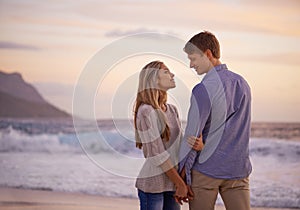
{"points": [[102, 160]]}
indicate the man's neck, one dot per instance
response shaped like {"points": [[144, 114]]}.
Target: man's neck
{"points": [[216, 62]]}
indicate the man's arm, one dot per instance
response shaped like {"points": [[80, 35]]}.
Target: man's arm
{"points": [[198, 115]]}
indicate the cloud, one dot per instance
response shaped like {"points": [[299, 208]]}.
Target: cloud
{"points": [[287, 59], [120, 33], [17, 46]]}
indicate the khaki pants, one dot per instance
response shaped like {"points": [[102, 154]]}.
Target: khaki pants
{"points": [[235, 193]]}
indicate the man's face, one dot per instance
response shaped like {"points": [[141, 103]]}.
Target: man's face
{"points": [[200, 63]]}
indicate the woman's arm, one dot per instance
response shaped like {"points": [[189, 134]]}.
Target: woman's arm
{"points": [[181, 188], [156, 153]]}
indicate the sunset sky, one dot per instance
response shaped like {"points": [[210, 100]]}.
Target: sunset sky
{"points": [[51, 41]]}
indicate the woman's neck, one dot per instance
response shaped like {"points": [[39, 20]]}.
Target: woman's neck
{"points": [[163, 107]]}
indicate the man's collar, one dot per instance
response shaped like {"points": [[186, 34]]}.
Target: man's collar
{"points": [[212, 71]]}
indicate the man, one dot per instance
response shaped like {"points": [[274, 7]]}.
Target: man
{"points": [[220, 111]]}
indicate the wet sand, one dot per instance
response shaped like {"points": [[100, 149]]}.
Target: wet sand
{"points": [[23, 199]]}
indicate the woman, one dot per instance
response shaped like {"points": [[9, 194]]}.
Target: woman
{"points": [[158, 133]]}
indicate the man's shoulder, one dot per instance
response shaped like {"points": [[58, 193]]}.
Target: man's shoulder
{"points": [[237, 81], [200, 86], [234, 75], [200, 91]]}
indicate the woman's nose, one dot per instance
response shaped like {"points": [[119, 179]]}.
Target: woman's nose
{"points": [[191, 65]]}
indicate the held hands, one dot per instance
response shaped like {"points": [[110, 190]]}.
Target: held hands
{"points": [[188, 196], [195, 143], [181, 193]]}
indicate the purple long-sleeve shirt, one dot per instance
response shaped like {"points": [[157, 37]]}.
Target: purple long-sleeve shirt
{"points": [[221, 110]]}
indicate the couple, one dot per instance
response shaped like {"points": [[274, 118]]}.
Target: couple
{"points": [[213, 154]]}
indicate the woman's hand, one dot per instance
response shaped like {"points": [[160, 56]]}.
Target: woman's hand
{"points": [[195, 143], [181, 193], [187, 198]]}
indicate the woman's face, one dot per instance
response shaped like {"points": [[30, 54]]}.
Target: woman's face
{"points": [[165, 78]]}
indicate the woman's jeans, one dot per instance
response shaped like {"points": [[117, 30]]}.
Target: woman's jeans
{"points": [[158, 201]]}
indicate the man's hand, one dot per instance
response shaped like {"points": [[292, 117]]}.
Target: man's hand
{"points": [[195, 143], [190, 193]]}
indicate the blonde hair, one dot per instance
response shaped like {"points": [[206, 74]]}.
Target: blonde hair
{"points": [[149, 93]]}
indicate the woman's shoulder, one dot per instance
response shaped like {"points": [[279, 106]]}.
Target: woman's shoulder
{"points": [[172, 108], [145, 109]]}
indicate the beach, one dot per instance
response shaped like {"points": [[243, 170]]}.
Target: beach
{"points": [[48, 157], [25, 199]]}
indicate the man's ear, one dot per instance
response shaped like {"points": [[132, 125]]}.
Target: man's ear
{"points": [[208, 54]]}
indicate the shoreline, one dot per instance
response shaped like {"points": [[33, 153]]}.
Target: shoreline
{"points": [[27, 199]]}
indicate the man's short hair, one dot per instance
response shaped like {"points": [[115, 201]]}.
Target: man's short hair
{"points": [[201, 42]]}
